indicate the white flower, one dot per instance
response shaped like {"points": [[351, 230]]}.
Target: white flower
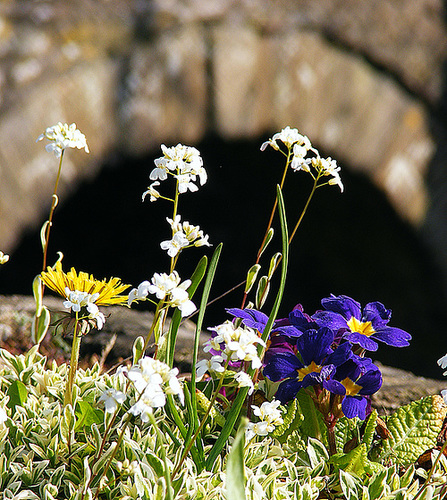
{"points": [[180, 299], [163, 284], [329, 167], [442, 362], [288, 136], [3, 258], [444, 395], [112, 398], [160, 171], [185, 183], [193, 234], [96, 315], [139, 293], [152, 192], [206, 365], [3, 416], [257, 429], [244, 380], [63, 136], [174, 245], [268, 412]]}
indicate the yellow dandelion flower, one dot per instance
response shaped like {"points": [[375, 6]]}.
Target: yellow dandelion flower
{"points": [[109, 291]]}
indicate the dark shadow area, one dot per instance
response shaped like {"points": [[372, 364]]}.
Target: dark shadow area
{"points": [[351, 243]]}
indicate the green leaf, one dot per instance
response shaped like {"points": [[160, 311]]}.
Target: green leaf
{"points": [[273, 264], [40, 325], [313, 425], [413, 429], [268, 239], [43, 239], [17, 394], [262, 292], [251, 277], [86, 415], [235, 477], [137, 349], [291, 421], [370, 429], [37, 292], [348, 486]]}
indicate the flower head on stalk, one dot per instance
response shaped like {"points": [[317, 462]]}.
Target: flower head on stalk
{"points": [[165, 287], [83, 293], [63, 136], [182, 162], [152, 380], [363, 327], [270, 416], [235, 343], [184, 235], [313, 362], [355, 380], [288, 136], [3, 258]]}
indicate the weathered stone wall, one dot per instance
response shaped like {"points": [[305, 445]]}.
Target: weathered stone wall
{"points": [[363, 79]]}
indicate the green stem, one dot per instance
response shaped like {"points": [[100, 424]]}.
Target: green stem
{"points": [[68, 399], [202, 423], [50, 217], [303, 213]]}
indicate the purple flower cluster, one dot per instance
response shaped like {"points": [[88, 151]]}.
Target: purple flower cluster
{"points": [[326, 351]]}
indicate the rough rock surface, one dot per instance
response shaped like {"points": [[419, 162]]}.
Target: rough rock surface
{"points": [[399, 386], [362, 79]]}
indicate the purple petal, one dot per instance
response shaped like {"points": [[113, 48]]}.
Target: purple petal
{"points": [[334, 386], [364, 341], [354, 406], [281, 366], [288, 390], [343, 305], [371, 382], [250, 317], [393, 336], [330, 319], [288, 331]]}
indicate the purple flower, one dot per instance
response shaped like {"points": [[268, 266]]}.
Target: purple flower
{"points": [[360, 327], [316, 362], [356, 379]]}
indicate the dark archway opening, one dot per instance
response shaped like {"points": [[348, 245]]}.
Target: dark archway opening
{"points": [[351, 243]]}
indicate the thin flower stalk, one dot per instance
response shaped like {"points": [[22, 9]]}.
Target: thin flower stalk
{"points": [[68, 398]]}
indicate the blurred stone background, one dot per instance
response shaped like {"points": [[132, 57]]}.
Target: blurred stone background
{"points": [[364, 80]]}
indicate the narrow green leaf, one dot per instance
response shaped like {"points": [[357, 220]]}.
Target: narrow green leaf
{"points": [[413, 429], [267, 240], [242, 394], [43, 231], [40, 325], [273, 263], [137, 349], [37, 292], [262, 292], [17, 394], [370, 429], [235, 477], [251, 277]]}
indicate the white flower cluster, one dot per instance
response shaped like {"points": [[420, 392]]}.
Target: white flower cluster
{"points": [[269, 417], [442, 362], [75, 300], [63, 136], [233, 344], [165, 287], [3, 258], [184, 163], [152, 380], [184, 235], [301, 146]]}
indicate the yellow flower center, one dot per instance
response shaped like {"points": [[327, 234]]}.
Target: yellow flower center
{"points": [[351, 387], [364, 328], [313, 367]]}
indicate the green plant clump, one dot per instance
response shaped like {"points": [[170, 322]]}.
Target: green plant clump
{"points": [[278, 408]]}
